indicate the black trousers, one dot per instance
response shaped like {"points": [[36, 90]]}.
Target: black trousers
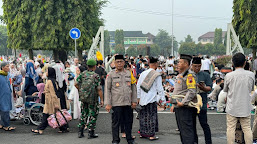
{"points": [[202, 116], [44, 124], [122, 127], [122, 114], [186, 120]]}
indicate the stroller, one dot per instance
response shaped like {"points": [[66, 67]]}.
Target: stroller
{"points": [[33, 110]]}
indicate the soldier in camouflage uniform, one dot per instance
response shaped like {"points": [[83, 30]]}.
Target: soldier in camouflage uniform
{"points": [[90, 89]]}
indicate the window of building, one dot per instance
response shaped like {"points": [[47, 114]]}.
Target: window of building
{"points": [[141, 40], [133, 40]]}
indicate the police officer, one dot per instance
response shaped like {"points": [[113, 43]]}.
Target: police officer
{"points": [[120, 99], [186, 116], [89, 91]]}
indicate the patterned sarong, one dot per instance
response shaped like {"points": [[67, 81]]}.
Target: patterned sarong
{"points": [[148, 119]]}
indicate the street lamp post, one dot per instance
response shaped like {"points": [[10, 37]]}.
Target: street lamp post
{"points": [[172, 45]]}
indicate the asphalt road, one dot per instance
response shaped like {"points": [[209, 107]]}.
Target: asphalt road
{"points": [[167, 134]]}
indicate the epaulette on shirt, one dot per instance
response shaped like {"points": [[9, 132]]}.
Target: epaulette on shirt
{"points": [[186, 72]]}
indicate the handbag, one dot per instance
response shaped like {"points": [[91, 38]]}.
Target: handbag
{"points": [[59, 119]]}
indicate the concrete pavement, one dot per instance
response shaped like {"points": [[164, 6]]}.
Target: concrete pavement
{"points": [[167, 134]]}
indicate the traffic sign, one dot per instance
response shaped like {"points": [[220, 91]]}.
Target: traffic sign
{"points": [[75, 33]]}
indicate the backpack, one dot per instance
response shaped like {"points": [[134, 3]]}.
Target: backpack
{"points": [[88, 91]]}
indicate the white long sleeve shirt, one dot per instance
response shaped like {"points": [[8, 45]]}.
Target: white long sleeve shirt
{"points": [[151, 96]]}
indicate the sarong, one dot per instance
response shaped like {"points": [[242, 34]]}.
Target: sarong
{"points": [[148, 120]]}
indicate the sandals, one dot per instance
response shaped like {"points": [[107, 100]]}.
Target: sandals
{"points": [[64, 131], [134, 137], [155, 138], [9, 128], [36, 132], [1, 127]]}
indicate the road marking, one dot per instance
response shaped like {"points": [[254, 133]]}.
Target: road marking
{"points": [[166, 112]]}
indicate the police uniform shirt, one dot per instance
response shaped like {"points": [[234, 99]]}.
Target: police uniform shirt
{"points": [[185, 84], [120, 88]]}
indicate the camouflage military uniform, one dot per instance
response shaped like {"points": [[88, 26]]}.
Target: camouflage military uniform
{"points": [[89, 99]]}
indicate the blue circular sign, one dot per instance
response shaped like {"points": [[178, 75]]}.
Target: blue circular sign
{"points": [[75, 33]]}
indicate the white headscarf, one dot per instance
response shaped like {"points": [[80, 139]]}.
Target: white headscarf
{"points": [[13, 71], [59, 69]]}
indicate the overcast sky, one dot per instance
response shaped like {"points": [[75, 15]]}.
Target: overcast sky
{"points": [[194, 17]]}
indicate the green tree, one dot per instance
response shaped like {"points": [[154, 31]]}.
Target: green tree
{"points": [[45, 25], [188, 39], [199, 48], [245, 23], [154, 50], [187, 48], [208, 49], [131, 51], [119, 37], [119, 49], [3, 41], [141, 49], [106, 43], [164, 41], [217, 37]]}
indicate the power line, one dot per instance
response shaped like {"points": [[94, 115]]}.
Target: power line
{"points": [[165, 14]]}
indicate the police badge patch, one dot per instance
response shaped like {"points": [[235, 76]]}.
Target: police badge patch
{"points": [[191, 84]]}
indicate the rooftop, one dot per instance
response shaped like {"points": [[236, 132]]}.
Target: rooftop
{"points": [[211, 35], [132, 34]]}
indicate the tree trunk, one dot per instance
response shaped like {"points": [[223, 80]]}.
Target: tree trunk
{"points": [[31, 54], [148, 49], [55, 55], [15, 53], [62, 56], [80, 55], [254, 52]]}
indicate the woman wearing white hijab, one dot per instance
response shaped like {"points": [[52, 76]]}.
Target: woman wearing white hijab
{"points": [[59, 74], [62, 87]]}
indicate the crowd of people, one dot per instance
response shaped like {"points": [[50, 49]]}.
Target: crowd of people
{"points": [[185, 85]]}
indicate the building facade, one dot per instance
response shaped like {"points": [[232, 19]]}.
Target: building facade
{"points": [[209, 37], [133, 38]]}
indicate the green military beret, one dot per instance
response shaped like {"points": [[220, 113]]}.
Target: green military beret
{"points": [[91, 62]]}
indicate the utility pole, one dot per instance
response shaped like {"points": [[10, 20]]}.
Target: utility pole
{"points": [[172, 45]]}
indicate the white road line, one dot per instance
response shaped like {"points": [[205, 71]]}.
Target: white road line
{"points": [[166, 112]]}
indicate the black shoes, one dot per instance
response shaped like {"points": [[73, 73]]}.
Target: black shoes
{"points": [[81, 132], [91, 134]]}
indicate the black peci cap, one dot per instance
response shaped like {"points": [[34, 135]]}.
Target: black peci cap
{"points": [[186, 57], [153, 60], [197, 60], [119, 57]]}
